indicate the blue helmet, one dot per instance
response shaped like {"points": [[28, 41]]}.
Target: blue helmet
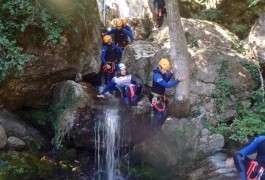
{"points": [[121, 66]]}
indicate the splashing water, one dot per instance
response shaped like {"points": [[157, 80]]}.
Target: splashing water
{"points": [[109, 146]]}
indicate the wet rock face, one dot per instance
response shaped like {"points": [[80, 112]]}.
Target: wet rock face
{"points": [[82, 131], [78, 53], [74, 118]]}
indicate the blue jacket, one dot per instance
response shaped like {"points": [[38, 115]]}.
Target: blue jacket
{"points": [[257, 145], [160, 81], [119, 34], [108, 53], [128, 28]]}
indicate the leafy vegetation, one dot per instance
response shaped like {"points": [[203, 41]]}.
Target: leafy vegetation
{"points": [[192, 42], [21, 165], [68, 102], [144, 172], [40, 19], [213, 15], [223, 91], [238, 16], [250, 119]]}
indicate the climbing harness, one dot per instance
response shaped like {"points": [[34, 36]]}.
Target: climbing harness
{"points": [[121, 45], [132, 86], [255, 169], [155, 101], [158, 14], [111, 70]]}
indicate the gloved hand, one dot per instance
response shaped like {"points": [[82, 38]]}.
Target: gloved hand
{"points": [[108, 66]]}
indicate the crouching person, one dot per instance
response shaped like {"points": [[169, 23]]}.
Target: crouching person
{"points": [[124, 84]]}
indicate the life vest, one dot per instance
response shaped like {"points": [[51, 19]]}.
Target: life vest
{"points": [[157, 88], [121, 39], [110, 53]]}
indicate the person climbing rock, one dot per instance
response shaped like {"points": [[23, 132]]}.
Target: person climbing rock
{"points": [[247, 168], [159, 11], [126, 26], [124, 84], [120, 35], [110, 55], [158, 100]]}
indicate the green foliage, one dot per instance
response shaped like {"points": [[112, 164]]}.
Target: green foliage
{"points": [[254, 2], [68, 102], [144, 173], [20, 165], [11, 58], [42, 20], [40, 118], [224, 89], [249, 123], [210, 15], [195, 113], [240, 28], [253, 69], [192, 42], [250, 119]]}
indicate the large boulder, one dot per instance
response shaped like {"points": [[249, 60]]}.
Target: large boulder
{"points": [[15, 126], [78, 53], [179, 142], [213, 168], [74, 103], [256, 40]]}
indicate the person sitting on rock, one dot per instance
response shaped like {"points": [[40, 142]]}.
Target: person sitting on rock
{"points": [[123, 83]]}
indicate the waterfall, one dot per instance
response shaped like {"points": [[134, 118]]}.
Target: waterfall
{"points": [[110, 137], [112, 134], [123, 8]]}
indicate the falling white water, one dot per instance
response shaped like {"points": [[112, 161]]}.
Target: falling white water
{"points": [[123, 8], [111, 142], [112, 139]]}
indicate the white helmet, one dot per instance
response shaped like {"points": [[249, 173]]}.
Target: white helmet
{"points": [[122, 66]]}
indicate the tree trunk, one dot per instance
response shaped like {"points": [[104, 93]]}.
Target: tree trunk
{"points": [[180, 59]]}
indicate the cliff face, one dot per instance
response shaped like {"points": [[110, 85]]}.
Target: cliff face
{"points": [[78, 53]]}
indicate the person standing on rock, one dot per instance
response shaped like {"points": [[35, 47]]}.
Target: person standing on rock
{"points": [[159, 11], [161, 77], [120, 35], [250, 169], [109, 56]]}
